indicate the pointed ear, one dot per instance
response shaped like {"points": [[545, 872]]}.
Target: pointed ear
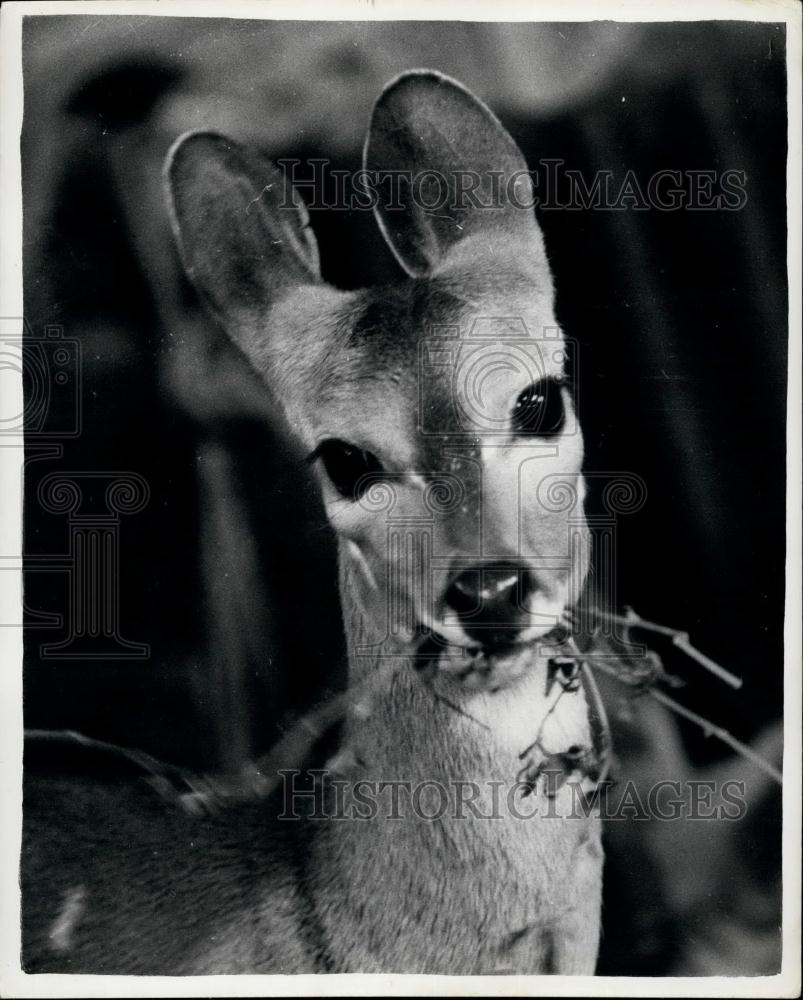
{"points": [[242, 231], [468, 175]]}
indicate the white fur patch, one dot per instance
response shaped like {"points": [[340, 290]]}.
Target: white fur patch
{"points": [[515, 714]]}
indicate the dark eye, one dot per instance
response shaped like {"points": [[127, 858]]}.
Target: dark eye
{"points": [[539, 409], [350, 468]]}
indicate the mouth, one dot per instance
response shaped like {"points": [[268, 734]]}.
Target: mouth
{"points": [[489, 666]]}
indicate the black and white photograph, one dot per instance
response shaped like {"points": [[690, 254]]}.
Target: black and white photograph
{"points": [[401, 499]]}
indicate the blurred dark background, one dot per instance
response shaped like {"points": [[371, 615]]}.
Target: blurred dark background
{"points": [[227, 572]]}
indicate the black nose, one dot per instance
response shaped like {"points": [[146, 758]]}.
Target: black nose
{"points": [[491, 602]]}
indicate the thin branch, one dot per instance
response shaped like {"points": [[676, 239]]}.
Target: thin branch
{"points": [[709, 728], [144, 761], [721, 734], [679, 638], [598, 706], [262, 777], [682, 643], [458, 709]]}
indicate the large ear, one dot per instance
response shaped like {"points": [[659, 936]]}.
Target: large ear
{"points": [[468, 175], [242, 231]]}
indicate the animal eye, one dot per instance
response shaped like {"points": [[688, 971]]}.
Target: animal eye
{"points": [[348, 467], [539, 409]]}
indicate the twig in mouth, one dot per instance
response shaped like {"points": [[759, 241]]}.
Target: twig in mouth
{"points": [[709, 728], [537, 741], [679, 638], [645, 682]]}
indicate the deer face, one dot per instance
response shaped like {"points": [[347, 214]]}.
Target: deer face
{"points": [[437, 411]]}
